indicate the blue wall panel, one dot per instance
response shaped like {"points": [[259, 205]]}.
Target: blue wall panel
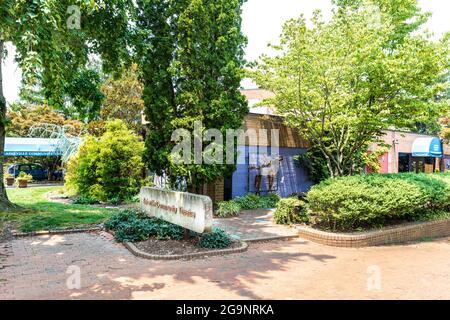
{"points": [[292, 178]]}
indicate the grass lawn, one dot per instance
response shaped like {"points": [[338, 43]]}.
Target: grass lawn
{"points": [[42, 214]]}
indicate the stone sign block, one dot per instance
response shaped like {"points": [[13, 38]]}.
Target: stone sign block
{"points": [[190, 211]]}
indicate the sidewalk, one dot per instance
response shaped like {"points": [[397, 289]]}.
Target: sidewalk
{"points": [[255, 225]]}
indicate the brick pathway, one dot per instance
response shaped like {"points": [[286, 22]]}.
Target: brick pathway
{"points": [[35, 268], [255, 225]]}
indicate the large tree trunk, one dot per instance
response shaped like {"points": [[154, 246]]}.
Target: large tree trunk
{"points": [[5, 204]]}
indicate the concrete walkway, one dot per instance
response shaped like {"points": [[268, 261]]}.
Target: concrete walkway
{"points": [[255, 225], [42, 267]]}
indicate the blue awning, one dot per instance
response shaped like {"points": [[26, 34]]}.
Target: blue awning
{"points": [[40, 147], [427, 147]]}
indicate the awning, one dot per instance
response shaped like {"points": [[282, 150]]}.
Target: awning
{"points": [[427, 147], [15, 147]]}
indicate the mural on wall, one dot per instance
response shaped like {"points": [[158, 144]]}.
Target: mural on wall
{"points": [[265, 173], [263, 168]]}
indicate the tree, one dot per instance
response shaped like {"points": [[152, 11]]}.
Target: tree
{"points": [[27, 117], [110, 167], [31, 121], [123, 100], [50, 46], [342, 83], [445, 133], [192, 59], [84, 96]]}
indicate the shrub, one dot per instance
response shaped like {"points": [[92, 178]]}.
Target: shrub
{"points": [[217, 239], [349, 203], [115, 201], [252, 201], [109, 167], [291, 210], [85, 201], [228, 208], [248, 202], [270, 201]]}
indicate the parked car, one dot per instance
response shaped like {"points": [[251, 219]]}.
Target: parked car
{"points": [[36, 170]]}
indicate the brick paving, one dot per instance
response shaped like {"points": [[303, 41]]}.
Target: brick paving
{"points": [[36, 268], [255, 225]]}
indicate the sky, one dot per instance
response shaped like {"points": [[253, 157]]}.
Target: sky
{"points": [[262, 24]]}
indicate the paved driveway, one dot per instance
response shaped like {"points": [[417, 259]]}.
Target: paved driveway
{"points": [[41, 267]]}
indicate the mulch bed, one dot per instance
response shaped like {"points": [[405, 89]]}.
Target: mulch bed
{"points": [[175, 247]]}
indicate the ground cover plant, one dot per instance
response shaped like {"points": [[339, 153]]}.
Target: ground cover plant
{"points": [[247, 202], [134, 226]]}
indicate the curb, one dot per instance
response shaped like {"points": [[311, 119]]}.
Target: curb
{"points": [[396, 235], [134, 250], [52, 232]]}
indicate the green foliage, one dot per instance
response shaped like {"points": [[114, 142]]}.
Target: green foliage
{"points": [[217, 239], [115, 201], [109, 167], [123, 100], [84, 200], [130, 225], [247, 202], [84, 94], [342, 82], [314, 163], [192, 56], [348, 203], [290, 211], [228, 209], [48, 52], [252, 201], [24, 176]]}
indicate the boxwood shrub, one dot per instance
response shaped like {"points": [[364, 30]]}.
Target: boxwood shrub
{"points": [[350, 203], [291, 210]]}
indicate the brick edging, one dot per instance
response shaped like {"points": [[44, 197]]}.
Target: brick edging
{"points": [[402, 234], [56, 231], [271, 238], [139, 253]]}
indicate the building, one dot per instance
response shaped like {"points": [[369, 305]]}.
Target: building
{"points": [[408, 152], [290, 177], [413, 152]]}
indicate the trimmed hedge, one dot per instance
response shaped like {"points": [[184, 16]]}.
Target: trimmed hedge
{"points": [[350, 203], [290, 211]]}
